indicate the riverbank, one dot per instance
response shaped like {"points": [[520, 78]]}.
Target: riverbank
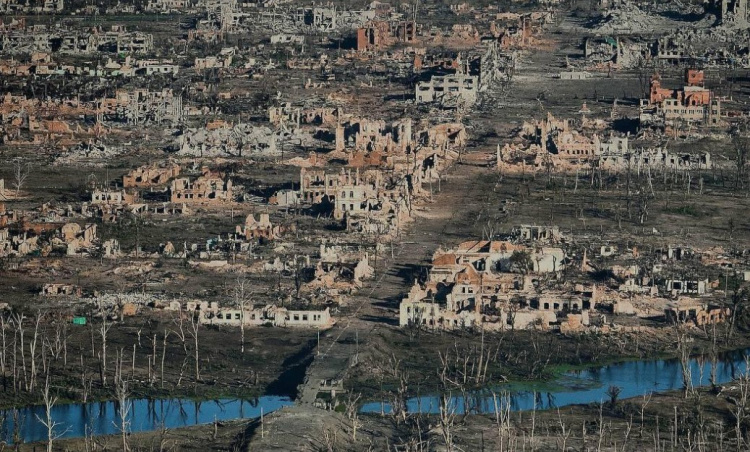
{"points": [[302, 426], [273, 362], [420, 363], [661, 422]]}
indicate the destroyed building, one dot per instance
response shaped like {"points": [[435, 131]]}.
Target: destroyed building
{"points": [[59, 289], [208, 188], [40, 38], [469, 74], [328, 18], [115, 197], [142, 106], [559, 144], [378, 35], [448, 89], [220, 138], [260, 228], [734, 12], [150, 176], [692, 103], [687, 310], [491, 284], [268, 315]]}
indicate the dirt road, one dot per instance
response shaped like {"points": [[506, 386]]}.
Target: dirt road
{"points": [[376, 306]]}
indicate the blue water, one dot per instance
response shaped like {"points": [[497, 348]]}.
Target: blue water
{"points": [[634, 378], [102, 418]]}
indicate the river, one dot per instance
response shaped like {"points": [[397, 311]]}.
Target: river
{"points": [[102, 418], [634, 378]]}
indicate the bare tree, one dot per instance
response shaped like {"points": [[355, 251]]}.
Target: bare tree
{"points": [[646, 399], [447, 420], [741, 409], [353, 414], [613, 392], [103, 330], [502, 419], [19, 346], [180, 332], [683, 349], [123, 399], [241, 296], [195, 323], [48, 421], [565, 432], [20, 174], [32, 352]]}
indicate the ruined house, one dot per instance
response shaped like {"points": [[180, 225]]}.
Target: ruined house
{"points": [[220, 138], [658, 158], [327, 18], [59, 289], [113, 197], [340, 269], [77, 239], [685, 287], [209, 188], [538, 233], [348, 191], [473, 72], [378, 35], [141, 105], [691, 103], [448, 89], [490, 283], [150, 175], [268, 315], [41, 38], [171, 6], [688, 310], [260, 228], [221, 61], [31, 6]]}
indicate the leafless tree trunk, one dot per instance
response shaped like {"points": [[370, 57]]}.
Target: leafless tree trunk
{"points": [[18, 321], [85, 382], [163, 355], [103, 330], [565, 432], [684, 354], [194, 327], [32, 353], [241, 296], [741, 405], [123, 399], [353, 414], [179, 321], [502, 420], [47, 421], [646, 399], [447, 420], [714, 356], [20, 174]]}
